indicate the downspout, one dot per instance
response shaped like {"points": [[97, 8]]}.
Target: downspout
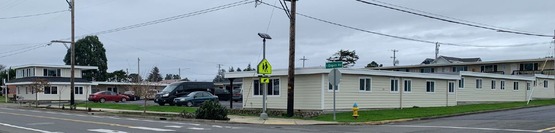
{"points": [[401, 89], [447, 94]]}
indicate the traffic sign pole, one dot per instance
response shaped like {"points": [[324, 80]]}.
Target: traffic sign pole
{"points": [[334, 88]]}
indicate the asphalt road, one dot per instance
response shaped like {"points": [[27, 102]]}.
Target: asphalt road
{"points": [[14, 120]]}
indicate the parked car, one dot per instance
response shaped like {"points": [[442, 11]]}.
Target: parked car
{"points": [[151, 94], [195, 98], [222, 94], [237, 95], [179, 89], [103, 96], [131, 95]]}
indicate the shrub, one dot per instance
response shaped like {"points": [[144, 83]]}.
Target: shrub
{"points": [[212, 110]]}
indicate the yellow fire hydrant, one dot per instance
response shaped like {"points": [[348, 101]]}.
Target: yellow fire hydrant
{"points": [[355, 111]]}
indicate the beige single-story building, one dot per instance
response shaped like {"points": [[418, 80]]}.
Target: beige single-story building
{"points": [[367, 88], [487, 87], [544, 87]]}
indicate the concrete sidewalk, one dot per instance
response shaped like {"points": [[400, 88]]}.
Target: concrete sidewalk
{"points": [[233, 118]]}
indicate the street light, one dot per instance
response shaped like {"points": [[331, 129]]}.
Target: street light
{"points": [[264, 115], [72, 78]]}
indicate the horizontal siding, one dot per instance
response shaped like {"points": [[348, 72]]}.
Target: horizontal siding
{"points": [[307, 93], [471, 94], [542, 92], [63, 93]]}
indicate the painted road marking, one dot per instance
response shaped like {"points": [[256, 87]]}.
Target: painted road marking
{"points": [[90, 122], [196, 128], [153, 129], [173, 126], [547, 129], [217, 126], [26, 128], [40, 123], [469, 128], [105, 131]]}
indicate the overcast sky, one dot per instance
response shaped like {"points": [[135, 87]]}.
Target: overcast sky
{"points": [[229, 37]]}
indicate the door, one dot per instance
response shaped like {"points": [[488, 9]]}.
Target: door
{"points": [[198, 98]]}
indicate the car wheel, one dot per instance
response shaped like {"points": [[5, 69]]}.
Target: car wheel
{"points": [[161, 104], [102, 100], [189, 104], [123, 100]]}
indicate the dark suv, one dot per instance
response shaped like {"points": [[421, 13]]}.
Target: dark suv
{"points": [[179, 89]]}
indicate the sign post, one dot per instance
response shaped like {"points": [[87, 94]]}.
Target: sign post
{"points": [[334, 77], [264, 68]]}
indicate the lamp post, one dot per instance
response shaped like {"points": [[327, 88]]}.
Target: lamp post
{"points": [[72, 78], [264, 115]]}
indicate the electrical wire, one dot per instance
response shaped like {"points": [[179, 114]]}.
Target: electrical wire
{"points": [[168, 19], [405, 38], [456, 22], [23, 50], [33, 15]]}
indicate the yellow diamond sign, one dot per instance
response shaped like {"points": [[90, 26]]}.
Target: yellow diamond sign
{"points": [[264, 67], [265, 80]]}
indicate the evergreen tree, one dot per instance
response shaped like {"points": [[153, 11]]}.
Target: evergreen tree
{"points": [[238, 69], [176, 76], [168, 77], [348, 58], [89, 51], [154, 75]]}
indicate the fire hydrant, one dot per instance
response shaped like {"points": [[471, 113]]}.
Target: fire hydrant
{"points": [[355, 111]]}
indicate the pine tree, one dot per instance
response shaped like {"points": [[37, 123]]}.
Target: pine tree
{"points": [[154, 75]]}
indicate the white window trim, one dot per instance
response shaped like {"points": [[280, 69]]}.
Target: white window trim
{"points": [[398, 85], [463, 81], [426, 89], [545, 86], [371, 83], [454, 85], [44, 90], [262, 95], [481, 83], [517, 88], [83, 90], [404, 85], [502, 85], [493, 85]]}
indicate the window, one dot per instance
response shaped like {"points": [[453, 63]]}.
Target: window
{"points": [[545, 84], [273, 87], [451, 87], [488, 68], [528, 67], [502, 86], [493, 84], [78, 90], [427, 70], [460, 68], [515, 86], [365, 84], [26, 90], [50, 90], [478, 83], [113, 89], [408, 86], [52, 72], [430, 86], [528, 86], [394, 85], [461, 83]]}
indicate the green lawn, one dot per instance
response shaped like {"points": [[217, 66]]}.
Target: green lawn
{"points": [[393, 114], [177, 109], [2, 99]]}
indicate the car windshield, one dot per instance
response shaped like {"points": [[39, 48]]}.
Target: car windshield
{"points": [[170, 87], [191, 94]]}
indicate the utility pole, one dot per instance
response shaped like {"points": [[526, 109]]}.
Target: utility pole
{"points": [[138, 70], [72, 80], [303, 59], [179, 72], [437, 50], [291, 71], [394, 57], [219, 69]]}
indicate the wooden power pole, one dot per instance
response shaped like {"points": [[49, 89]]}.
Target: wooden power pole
{"points": [[291, 72]]}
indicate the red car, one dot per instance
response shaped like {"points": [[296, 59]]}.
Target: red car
{"points": [[103, 96]]}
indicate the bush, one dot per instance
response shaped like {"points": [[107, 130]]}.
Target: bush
{"points": [[212, 110]]}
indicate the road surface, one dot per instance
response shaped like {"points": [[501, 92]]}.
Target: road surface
{"points": [[13, 120]]}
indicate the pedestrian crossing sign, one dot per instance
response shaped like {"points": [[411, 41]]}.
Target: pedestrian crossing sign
{"points": [[264, 67], [264, 80]]}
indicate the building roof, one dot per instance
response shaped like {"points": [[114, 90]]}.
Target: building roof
{"points": [[544, 76], [53, 80], [460, 60], [497, 76], [56, 66], [462, 64], [358, 71], [129, 83]]}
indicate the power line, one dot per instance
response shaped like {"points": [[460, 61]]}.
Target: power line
{"points": [[406, 38], [23, 51], [168, 19], [453, 21], [33, 15]]}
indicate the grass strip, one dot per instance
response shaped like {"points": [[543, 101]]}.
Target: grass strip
{"points": [[423, 112]]}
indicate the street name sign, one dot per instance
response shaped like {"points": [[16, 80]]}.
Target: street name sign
{"points": [[336, 64]]}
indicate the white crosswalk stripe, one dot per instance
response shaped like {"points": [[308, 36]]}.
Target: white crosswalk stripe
{"points": [[105, 131], [153, 129]]}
